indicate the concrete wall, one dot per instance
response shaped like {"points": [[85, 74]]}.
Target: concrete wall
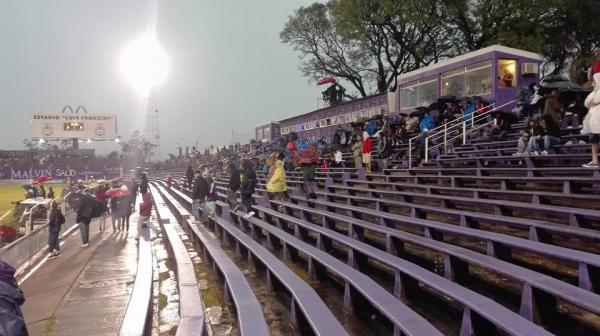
{"points": [[21, 250]]}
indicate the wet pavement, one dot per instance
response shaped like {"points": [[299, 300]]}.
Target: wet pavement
{"points": [[97, 303], [86, 290]]}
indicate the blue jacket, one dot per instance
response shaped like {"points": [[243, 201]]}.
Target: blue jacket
{"points": [[427, 123], [11, 319], [469, 110]]}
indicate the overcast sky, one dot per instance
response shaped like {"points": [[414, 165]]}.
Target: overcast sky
{"points": [[228, 69]]}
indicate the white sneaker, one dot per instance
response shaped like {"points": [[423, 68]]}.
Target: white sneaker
{"points": [[536, 153], [249, 214], [84, 245], [544, 152], [590, 164]]}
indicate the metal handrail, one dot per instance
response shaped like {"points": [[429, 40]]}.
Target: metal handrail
{"points": [[446, 126], [474, 116]]}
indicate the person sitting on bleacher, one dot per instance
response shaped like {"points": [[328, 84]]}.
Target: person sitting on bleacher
{"points": [[502, 127], [529, 142], [552, 135]]}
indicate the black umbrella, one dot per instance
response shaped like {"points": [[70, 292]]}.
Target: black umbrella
{"points": [[417, 113], [557, 82], [438, 106], [447, 99], [85, 205]]}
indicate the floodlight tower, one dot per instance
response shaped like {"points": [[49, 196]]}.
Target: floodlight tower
{"points": [[151, 128]]}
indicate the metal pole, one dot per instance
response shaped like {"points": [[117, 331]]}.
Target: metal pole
{"points": [[409, 153], [426, 148], [464, 132], [445, 139]]}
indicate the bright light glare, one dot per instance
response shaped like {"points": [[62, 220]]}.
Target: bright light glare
{"points": [[144, 63]]}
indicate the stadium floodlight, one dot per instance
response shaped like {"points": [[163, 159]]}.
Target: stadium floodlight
{"points": [[144, 63]]}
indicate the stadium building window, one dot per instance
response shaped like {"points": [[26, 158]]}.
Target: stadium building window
{"points": [[473, 80], [507, 73], [419, 93]]}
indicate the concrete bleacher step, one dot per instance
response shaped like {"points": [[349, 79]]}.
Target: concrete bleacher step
{"points": [[456, 259], [249, 314], [306, 307]]}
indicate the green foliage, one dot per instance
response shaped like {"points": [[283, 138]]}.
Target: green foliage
{"points": [[137, 149], [370, 42]]}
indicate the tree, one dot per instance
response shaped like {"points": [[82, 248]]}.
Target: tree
{"points": [[573, 37], [137, 148], [322, 50], [368, 42]]}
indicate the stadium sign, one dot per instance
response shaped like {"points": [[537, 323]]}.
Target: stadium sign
{"points": [[68, 126]]}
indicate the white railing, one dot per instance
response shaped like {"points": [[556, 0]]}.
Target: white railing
{"points": [[455, 129]]}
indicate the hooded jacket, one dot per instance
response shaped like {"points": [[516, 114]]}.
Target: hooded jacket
{"points": [[248, 181], [146, 206], [591, 123], [427, 123], [11, 319], [200, 188], [234, 178], [277, 182]]}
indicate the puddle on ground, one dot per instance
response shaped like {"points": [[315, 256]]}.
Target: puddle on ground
{"points": [[166, 296]]}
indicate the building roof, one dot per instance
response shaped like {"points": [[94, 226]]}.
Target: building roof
{"points": [[464, 57], [335, 106]]}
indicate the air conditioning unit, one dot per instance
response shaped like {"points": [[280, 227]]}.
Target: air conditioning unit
{"points": [[530, 69]]}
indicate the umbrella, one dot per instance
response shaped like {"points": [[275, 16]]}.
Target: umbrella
{"points": [[557, 82], [438, 106], [417, 113], [117, 192], [85, 205], [447, 99], [326, 80], [42, 179]]}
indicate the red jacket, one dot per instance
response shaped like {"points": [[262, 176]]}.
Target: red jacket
{"points": [[367, 147], [146, 206]]}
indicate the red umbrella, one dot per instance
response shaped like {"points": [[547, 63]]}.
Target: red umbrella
{"points": [[117, 192], [42, 179], [326, 80], [291, 146]]}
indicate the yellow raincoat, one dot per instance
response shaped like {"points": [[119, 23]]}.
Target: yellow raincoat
{"points": [[277, 182]]}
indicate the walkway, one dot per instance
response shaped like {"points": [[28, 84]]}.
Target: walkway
{"points": [[86, 290]]}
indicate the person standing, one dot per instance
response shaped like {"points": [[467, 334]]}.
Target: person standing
{"points": [[42, 191], [189, 177], [102, 199], [143, 184], [384, 148], [357, 151], [145, 213], [56, 219], [308, 159], [234, 185], [115, 212], [277, 186], [11, 298], [367, 148], [84, 229], [199, 192], [169, 181], [553, 107], [591, 123], [50, 193], [247, 187]]}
